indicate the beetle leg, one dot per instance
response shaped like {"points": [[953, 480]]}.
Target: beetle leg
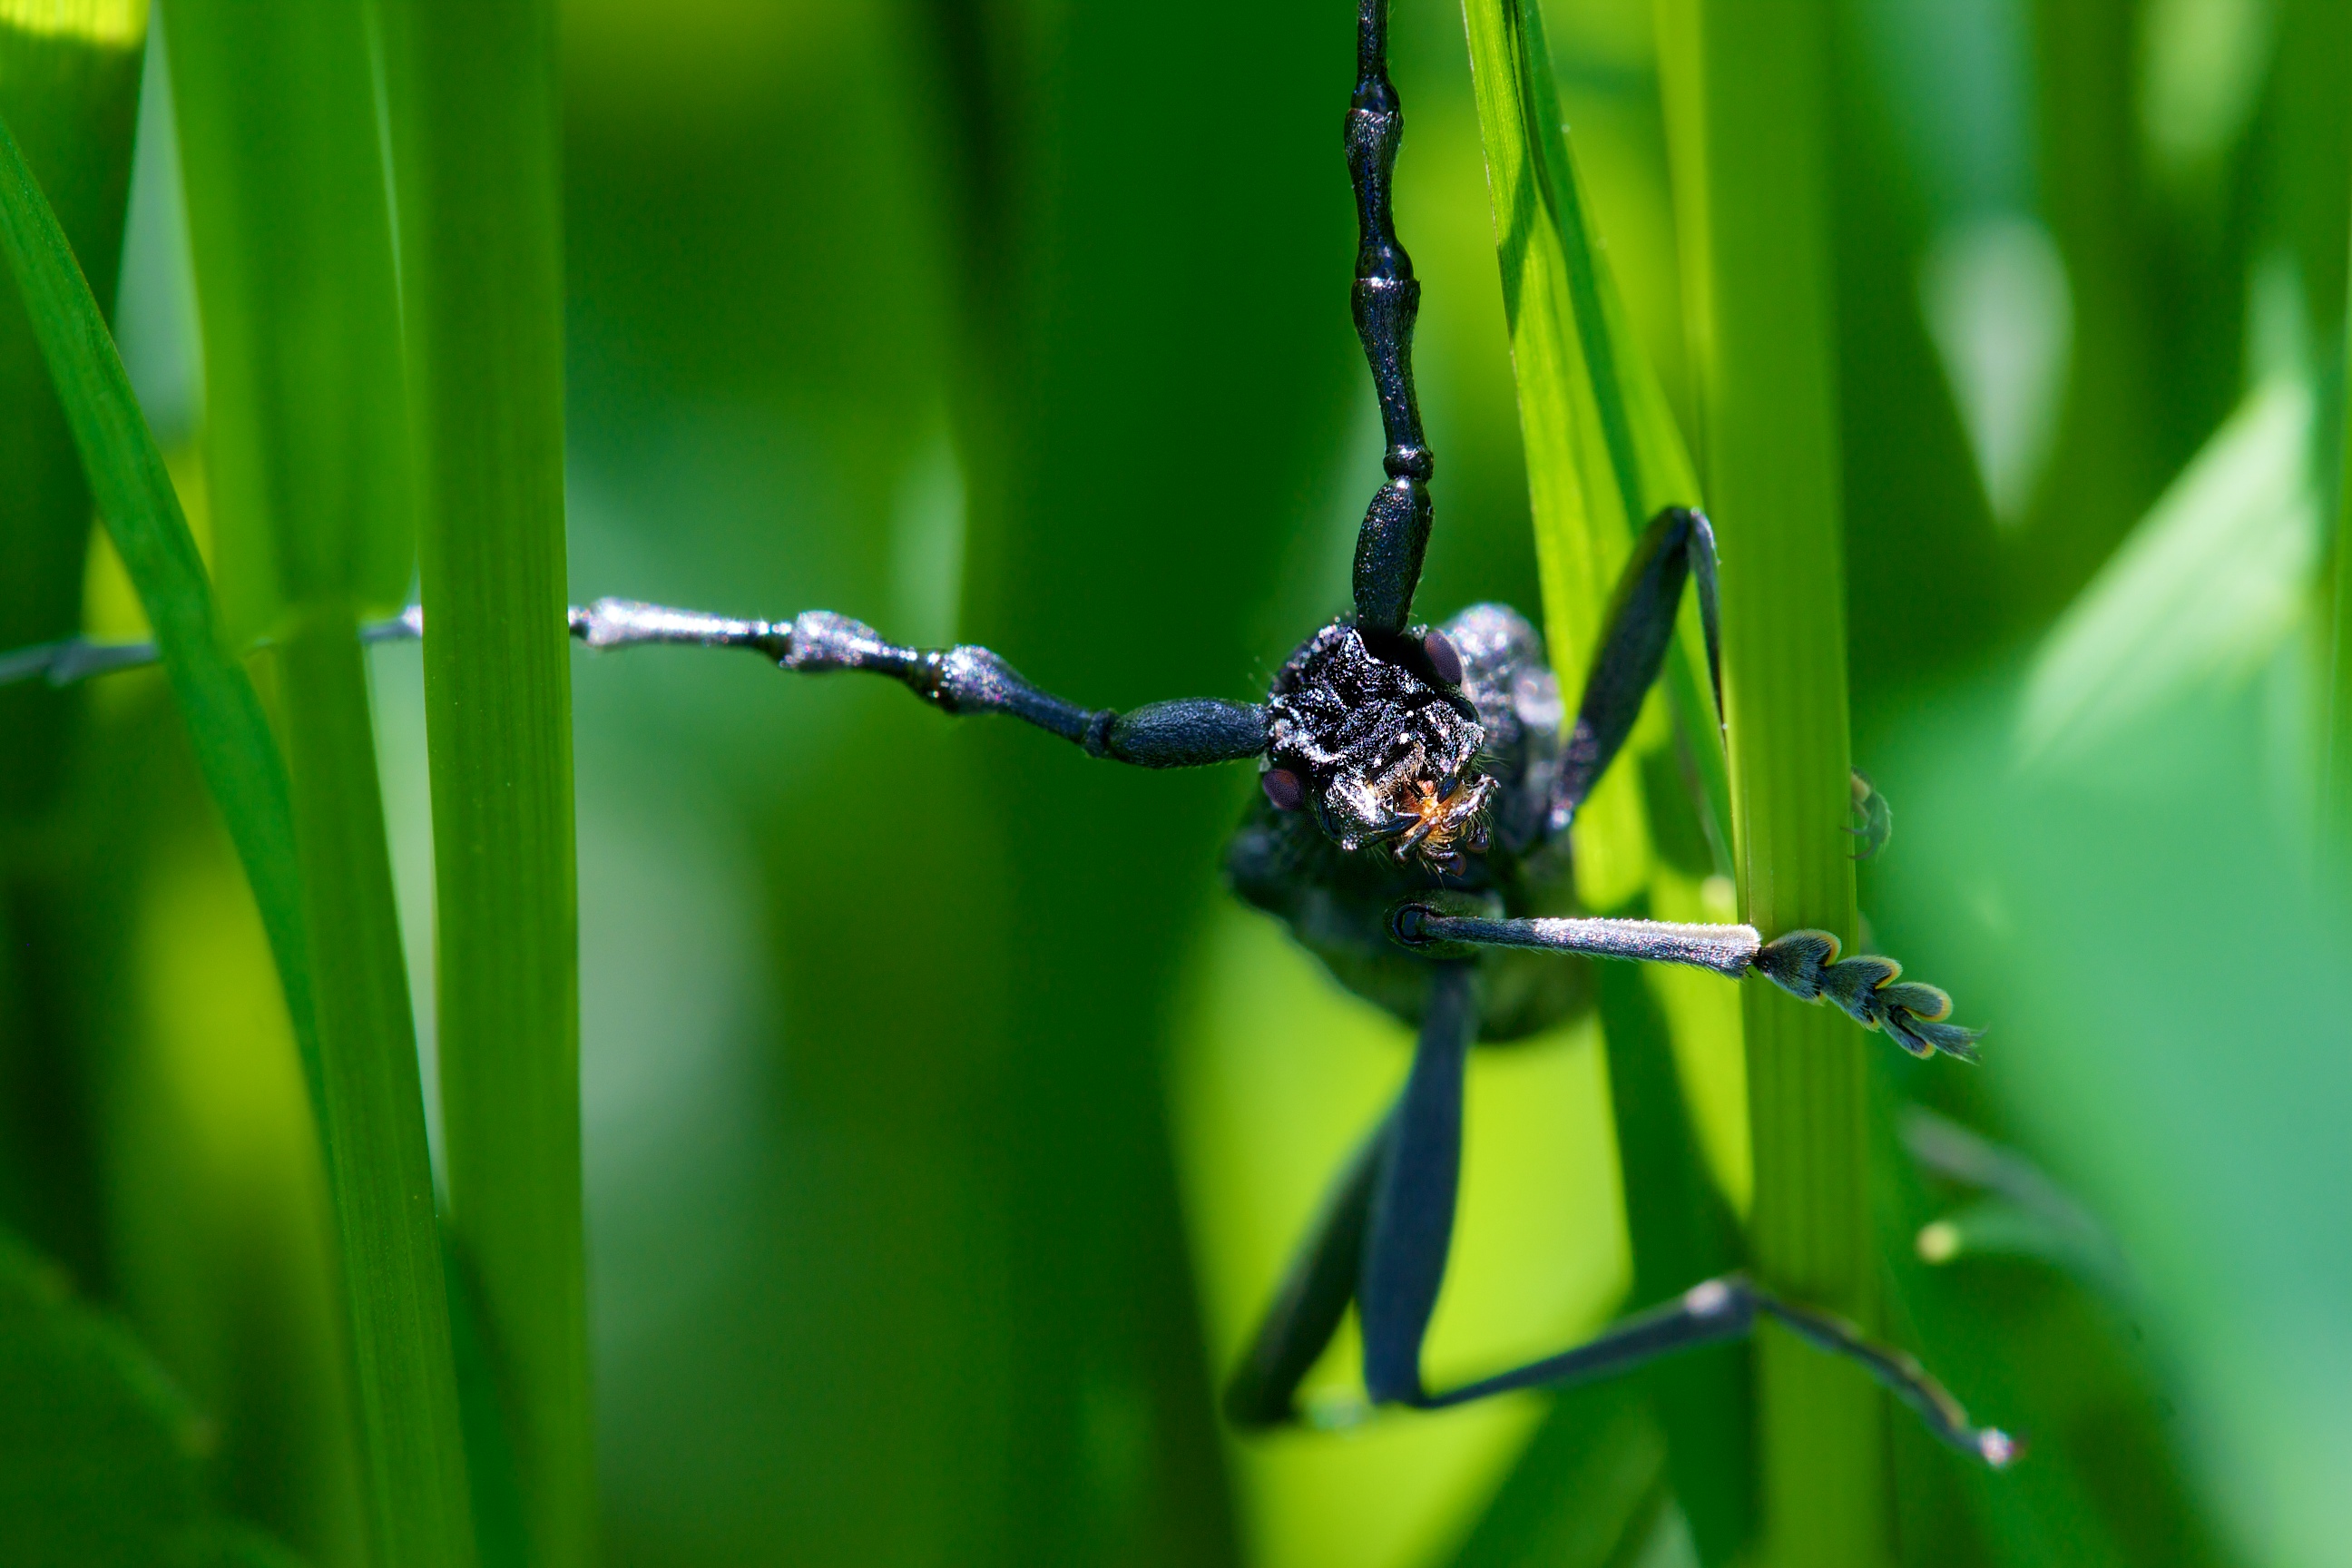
{"points": [[1411, 1225], [1382, 1237], [1189, 732], [1677, 545], [1727, 1309], [1312, 1298], [1416, 1166], [1805, 963], [1869, 990]]}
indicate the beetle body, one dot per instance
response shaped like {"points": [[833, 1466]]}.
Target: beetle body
{"points": [[1347, 722]]}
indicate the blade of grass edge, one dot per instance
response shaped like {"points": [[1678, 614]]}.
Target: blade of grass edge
{"points": [[1746, 86], [1599, 463], [419, 1507], [1578, 457], [408, 1432], [141, 513], [474, 112], [292, 235], [71, 93], [1598, 397]]}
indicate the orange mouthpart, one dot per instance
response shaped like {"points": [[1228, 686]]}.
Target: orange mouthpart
{"points": [[1438, 819]]}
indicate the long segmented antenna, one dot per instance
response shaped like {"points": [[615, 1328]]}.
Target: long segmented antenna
{"points": [[71, 660], [1395, 534], [1189, 732]]}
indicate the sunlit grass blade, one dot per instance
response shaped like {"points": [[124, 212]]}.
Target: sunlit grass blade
{"points": [[293, 244], [1582, 476], [1602, 456], [141, 513], [358, 1093], [1746, 88], [1603, 452], [475, 119]]}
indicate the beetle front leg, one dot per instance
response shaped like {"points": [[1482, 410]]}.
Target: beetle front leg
{"points": [[1869, 990], [1805, 963]]}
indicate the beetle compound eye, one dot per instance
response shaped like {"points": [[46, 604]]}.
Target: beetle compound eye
{"points": [[1283, 788], [1442, 659]]}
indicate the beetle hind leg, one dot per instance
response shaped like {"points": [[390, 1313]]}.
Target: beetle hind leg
{"points": [[1678, 547], [1728, 1309], [1312, 1298]]}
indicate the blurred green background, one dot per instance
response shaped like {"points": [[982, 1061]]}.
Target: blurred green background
{"points": [[945, 1125]]}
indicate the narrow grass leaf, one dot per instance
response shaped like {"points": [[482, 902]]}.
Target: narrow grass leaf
{"points": [[362, 1080], [1604, 451], [141, 512], [69, 90], [474, 121], [1590, 1483], [1603, 457], [1582, 479], [1746, 89], [291, 232]]}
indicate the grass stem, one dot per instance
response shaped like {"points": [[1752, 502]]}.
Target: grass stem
{"points": [[1746, 83], [72, 98], [1602, 456], [379, 1169], [475, 114], [290, 230]]}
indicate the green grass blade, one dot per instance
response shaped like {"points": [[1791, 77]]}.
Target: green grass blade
{"points": [[293, 244], [1602, 456], [290, 230], [475, 119], [71, 93], [1582, 474], [1587, 1494], [1603, 452], [135, 498], [381, 1171], [1747, 84]]}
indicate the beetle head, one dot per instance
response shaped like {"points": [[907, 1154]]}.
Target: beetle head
{"points": [[1381, 746]]}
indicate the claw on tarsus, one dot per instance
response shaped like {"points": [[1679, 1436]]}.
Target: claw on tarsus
{"points": [[1867, 989]]}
